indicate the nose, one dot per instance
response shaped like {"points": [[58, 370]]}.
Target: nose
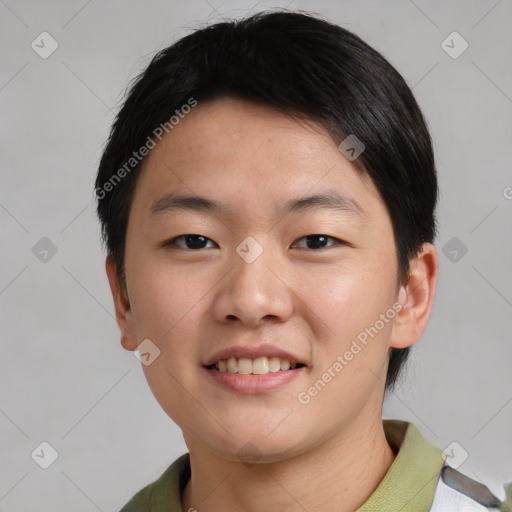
{"points": [[254, 291]]}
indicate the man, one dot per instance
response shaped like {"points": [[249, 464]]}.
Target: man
{"points": [[267, 199]]}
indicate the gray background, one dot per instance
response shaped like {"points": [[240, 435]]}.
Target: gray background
{"points": [[64, 377]]}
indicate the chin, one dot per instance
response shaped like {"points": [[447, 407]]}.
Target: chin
{"points": [[252, 447], [251, 454]]}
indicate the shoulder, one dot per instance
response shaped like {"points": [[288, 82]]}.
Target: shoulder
{"points": [[165, 492], [447, 499], [458, 492], [140, 502]]}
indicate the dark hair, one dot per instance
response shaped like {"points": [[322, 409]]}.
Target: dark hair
{"points": [[305, 67]]}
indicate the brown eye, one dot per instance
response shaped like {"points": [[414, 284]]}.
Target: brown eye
{"points": [[191, 241], [319, 241]]}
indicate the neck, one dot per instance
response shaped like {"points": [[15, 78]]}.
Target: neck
{"points": [[338, 475]]}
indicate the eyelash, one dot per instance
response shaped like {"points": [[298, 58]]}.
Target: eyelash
{"points": [[172, 243]]}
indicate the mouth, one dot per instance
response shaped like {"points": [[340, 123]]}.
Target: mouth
{"points": [[258, 366], [253, 377]]}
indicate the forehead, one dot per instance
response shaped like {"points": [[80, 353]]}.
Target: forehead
{"points": [[251, 156]]}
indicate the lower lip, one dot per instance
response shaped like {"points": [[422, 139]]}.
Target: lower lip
{"points": [[253, 384]]}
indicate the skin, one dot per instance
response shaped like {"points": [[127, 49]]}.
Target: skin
{"points": [[331, 453]]}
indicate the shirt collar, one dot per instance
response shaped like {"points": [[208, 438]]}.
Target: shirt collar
{"points": [[409, 484], [411, 481]]}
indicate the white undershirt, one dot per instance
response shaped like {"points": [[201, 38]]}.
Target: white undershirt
{"points": [[447, 499]]}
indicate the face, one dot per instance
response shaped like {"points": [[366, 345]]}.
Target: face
{"points": [[260, 280]]}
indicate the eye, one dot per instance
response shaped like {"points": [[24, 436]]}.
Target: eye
{"points": [[318, 241], [191, 241], [195, 242]]}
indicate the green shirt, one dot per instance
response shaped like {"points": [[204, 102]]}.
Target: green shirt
{"points": [[409, 484]]}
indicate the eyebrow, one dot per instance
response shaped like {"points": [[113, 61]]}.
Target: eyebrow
{"points": [[327, 200]]}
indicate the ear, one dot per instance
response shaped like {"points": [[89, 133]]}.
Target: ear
{"points": [[124, 314], [416, 297]]}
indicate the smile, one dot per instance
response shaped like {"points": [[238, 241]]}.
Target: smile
{"points": [[258, 366]]}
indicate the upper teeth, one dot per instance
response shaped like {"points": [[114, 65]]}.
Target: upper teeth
{"points": [[258, 366]]}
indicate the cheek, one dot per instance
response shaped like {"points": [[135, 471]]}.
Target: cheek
{"points": [[346, 306], [166, 304], [164, 298], [345, 299]]}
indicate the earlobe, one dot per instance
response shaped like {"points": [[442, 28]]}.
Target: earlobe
{"points": [[123, 310], [416, 297]]}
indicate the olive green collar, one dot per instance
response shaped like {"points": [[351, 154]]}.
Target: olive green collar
{"points": [[411, 481], [409, 484]]}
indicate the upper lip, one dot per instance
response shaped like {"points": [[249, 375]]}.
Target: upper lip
{"points": [[252, 352]]}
